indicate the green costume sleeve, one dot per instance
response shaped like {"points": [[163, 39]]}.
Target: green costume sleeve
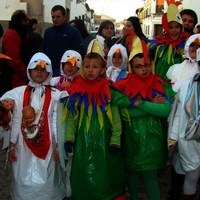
{"points": [[116, 126], [119, 99], [71, 126], [157, 109]]}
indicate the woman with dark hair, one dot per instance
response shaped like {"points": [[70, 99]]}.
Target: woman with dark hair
{"points": [[134, 24], [15, 45], [106, 30]]}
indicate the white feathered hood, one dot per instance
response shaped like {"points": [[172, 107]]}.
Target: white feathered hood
{"points": [[36, 59], [67, 57], [188, 43], [124, 55]]}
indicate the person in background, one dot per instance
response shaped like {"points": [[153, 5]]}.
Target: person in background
{"points": [[1, 31], [36, 170], [106, 30], [197, 28], [15, 44], [117, 63], [60, 38], [189, 18], [87, 38], [35, 38], [108, 43]]}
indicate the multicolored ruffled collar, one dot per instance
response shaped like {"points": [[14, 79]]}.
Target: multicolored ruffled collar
{"points": [[146, 88], [96, 93]]}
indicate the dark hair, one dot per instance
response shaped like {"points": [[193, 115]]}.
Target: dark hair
{"points": [[80, 25], [191, 13], [110, 41], [137, 27], [94, 55], [105, 24], [33, 21], [60, 8], [1, 31]]}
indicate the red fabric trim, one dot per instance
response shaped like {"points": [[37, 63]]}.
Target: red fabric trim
{"points": [[41, 148]]}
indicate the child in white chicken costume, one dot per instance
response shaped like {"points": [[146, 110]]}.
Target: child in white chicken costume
{"points": [[70, 64], [37, 174], [117, 63]]}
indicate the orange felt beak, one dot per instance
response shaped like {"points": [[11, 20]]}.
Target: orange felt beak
{"points": [[117, 51], [197, 41], [42, 64], [4, 56], [72, 60]]}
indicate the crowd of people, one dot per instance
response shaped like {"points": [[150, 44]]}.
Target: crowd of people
{"points": [[89, 117]]}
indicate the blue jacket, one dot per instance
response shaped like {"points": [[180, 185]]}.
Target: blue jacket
{"points": [[57, 40]]}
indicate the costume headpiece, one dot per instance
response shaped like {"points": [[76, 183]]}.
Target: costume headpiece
{"points": [[172, 14], [138, 46], [95, 48]]}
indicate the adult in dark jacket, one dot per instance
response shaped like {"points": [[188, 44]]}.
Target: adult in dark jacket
{"points": [[60, 37]]}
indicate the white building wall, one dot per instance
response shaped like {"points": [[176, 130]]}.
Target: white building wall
{"points": [[48, 5], [194, 5], [77, 10], [7, 7]]}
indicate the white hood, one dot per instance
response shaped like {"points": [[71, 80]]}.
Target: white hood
{"points": [[32, 64]]}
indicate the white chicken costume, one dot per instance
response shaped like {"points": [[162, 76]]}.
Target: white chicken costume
{"points": [[36, 176], [75, 59]]}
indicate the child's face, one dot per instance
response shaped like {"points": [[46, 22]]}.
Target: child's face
{"points": [[175, 30], [193, 49], [92, 68], [188, 21], [38, 74], [141, 68], [69, 69], [105, 49], [8, 104], [117, 59]]}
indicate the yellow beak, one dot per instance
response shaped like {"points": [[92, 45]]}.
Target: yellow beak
{"points": [[72, 60], [4, 56]]}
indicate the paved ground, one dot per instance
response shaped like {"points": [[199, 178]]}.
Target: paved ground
{"points": [[5, 180]]}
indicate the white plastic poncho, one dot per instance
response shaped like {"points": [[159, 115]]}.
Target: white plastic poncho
{"points": [[179, 73], [33, 177]]}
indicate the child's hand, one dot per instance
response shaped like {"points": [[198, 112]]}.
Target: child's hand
{"points": [[159, 99], [137, 101], [65, 84], [55, 154], [11, 155]]}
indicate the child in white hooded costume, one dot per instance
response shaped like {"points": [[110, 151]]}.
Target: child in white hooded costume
{"points": [[70, 64], [186, 159], [117, 63], [36, 172]]}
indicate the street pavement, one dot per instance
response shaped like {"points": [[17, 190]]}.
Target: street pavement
{"points": [[5, 173]]}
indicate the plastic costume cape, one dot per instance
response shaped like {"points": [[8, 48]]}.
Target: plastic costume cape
{"points": [[35, 174], [144, 145], [93, 126], [116, 73], [181, 72], [166, 50]]}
